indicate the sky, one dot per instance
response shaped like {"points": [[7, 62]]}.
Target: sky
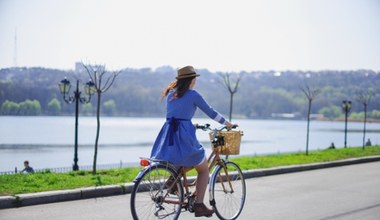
{"points": [[219, 35]]}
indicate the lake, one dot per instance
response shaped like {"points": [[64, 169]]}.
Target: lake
{"points": [[47, 142]]}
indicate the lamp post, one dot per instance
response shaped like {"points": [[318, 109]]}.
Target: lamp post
{"points": [[64, 88], [346, 106]]}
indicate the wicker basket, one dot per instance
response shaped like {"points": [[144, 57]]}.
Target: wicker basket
{"points": [[226, 142]]}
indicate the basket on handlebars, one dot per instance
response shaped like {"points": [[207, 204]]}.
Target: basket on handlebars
{"points": [[226, 142]]}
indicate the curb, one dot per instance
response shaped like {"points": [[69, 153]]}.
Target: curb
{"points": [[306, 167], [29, 199]]}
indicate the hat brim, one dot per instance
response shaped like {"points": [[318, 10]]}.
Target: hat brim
{"points": [[187, 76]]}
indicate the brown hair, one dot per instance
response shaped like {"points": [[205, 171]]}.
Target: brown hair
{"points": [[182, 86]]}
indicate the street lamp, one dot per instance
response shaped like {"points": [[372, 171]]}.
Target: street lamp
{"points": [[346, 106], [64, 88]]}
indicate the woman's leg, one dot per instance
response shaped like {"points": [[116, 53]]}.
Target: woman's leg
{"points": [[202, 180], [200, 208]]}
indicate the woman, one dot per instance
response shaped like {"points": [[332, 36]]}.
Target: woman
{"points": [[177, 141]]}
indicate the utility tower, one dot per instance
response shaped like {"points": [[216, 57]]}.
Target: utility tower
{"points": [[15, 50]]}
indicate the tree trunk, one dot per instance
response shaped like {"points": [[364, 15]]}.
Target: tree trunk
{"points": [[365, 121], [308, 126], [231, 104], [97, 133]]}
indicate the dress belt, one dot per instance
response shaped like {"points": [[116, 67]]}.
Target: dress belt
{"points": [[173, 127]]}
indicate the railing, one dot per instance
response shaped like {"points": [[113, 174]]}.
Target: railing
{"points": [[69, 169]]}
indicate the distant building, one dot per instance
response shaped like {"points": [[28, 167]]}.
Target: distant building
{"points": [[295, 115], [79, 68]]}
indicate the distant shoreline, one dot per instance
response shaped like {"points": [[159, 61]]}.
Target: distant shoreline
{"points": [[369, 120]]}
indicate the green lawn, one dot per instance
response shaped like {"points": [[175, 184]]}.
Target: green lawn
{"points": [[276, 160], [45, 181]]}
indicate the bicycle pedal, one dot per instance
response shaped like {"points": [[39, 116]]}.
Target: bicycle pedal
{"points": [[190, 204], [189, 209]]}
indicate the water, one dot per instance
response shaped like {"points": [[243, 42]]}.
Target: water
{"points": [[47, 142]]}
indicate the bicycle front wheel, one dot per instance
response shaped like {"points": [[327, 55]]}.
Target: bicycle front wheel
{"points": [[151, 198], [227, 190]]}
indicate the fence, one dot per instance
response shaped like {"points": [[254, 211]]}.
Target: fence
{"points": [[68, 169]]}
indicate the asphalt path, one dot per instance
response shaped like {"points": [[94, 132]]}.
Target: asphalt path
{"points": [[346, 192]]}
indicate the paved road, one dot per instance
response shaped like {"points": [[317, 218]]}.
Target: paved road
{"points": [[347, 192]]}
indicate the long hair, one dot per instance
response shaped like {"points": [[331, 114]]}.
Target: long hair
{"points": [[182, 85]]}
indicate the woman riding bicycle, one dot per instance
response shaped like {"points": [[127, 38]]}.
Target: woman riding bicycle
{"points": [[177, 142]]}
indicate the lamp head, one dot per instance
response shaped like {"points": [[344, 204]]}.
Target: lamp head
{"points": [[346, 105], [64, 86], [89, 88]]}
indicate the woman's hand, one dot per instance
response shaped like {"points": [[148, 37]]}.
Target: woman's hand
{"points": [[230, 125]]}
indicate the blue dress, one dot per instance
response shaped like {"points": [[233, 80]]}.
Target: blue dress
{"points": [[177, 142]]}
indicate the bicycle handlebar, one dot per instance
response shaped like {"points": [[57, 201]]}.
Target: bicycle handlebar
{"points": [[206, 127], [203, 127]]}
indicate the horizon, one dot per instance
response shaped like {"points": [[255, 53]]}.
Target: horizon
{"points": [[278, 72], [155, 69]]}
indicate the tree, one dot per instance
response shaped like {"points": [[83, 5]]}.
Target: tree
{"points": [[364, 97], [330, 112], [87, 109], [10, 108], [375, 114], [310, 94], [29, 107], [103, 80], [54, 107], [109, 107], [232, 86], [260, 94]]}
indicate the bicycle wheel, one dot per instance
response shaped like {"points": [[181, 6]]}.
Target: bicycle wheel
{"points": [[150, 197], [227, 190]]}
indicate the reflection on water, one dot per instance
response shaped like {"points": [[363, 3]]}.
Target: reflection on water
{"points": [[47, 142]]}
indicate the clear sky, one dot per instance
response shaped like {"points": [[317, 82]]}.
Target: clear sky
{"points": [[220, 35]]}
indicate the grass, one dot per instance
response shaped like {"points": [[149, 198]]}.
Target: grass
{"points": [[47, 181], [275, 160]]}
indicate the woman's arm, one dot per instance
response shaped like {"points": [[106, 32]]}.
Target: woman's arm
{"points": [[210, 112]]}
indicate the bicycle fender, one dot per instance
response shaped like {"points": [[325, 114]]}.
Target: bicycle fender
{"points": [[213, 176], [154, 165], [141, 173]]}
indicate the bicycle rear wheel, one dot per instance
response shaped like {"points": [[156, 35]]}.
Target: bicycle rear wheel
{"points": [[227, 190], [150, 197]]}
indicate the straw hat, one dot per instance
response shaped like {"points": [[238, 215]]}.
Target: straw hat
{"points": [[186, 72]]}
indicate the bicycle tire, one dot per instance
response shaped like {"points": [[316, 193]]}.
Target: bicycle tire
{"points": [[149, 192], [227, 202]]}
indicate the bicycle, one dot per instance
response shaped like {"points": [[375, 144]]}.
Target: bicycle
{"points": [[161, 191]]}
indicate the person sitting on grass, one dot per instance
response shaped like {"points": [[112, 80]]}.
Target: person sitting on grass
{"points": [[27, 169], [368, 143]]}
